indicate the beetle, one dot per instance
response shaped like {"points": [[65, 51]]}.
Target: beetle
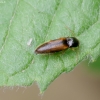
{"points": [[57, 45]]}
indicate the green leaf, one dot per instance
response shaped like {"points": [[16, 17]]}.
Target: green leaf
{"points": [[25, 24]]}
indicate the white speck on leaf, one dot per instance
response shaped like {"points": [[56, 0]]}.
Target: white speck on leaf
{"points": [[29, 42]]}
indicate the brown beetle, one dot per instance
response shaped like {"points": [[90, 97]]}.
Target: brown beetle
{"points": [[57, 45]]}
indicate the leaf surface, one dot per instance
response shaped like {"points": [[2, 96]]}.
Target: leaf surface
{"points": [[25, 24]]}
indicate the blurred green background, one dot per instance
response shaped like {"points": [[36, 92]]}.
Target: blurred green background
{"points": [[94, 66], [83, 83]]}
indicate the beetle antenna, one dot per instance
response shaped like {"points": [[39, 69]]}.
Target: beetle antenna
{"points": [[70, 30]]}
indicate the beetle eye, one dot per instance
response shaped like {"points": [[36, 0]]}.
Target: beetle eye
{"points": [[72, 42]]}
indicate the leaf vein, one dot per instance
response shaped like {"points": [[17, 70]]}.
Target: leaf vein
{"points": [[9, 26]]}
